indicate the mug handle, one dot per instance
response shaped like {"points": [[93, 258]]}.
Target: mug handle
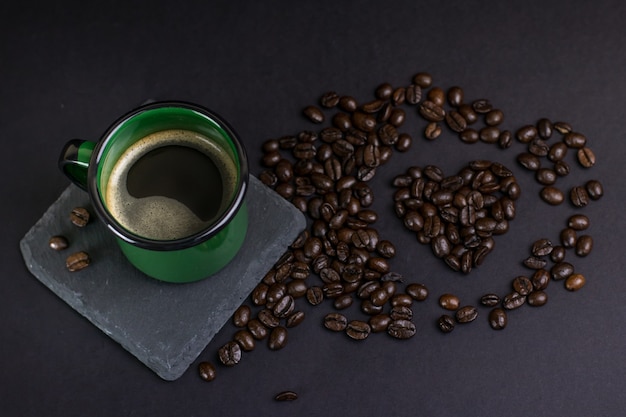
{"points": [[74, 160]]}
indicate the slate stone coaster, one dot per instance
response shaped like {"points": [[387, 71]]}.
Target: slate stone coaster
{"points": [[166, 326]]}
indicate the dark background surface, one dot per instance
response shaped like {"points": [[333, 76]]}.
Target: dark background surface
{"points": [[67, 69]]}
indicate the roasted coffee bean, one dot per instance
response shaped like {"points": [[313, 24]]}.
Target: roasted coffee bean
{"points": [[575, 140], [379, 322], [401, 300], [329, 99], [397, 117], [79, 216], [432, 111], [552, 195], [466, 314], [419, 292], [342, 302], [568, 237], [540, 280], [77, 261], [379, 296], [586, 157], [449, 302], [561, 270], [404, 142], [242, 316], [436, 95], [489, 134], [562, 127], [537, 298], [545, 176], [494, 117], [401, 313], [579, 197], [526, 134], [538, 147], [401, 329], [446, 323], [267, 317], [370, 308], [498, 318], [522, 285], [505, 140], [284, 306], [335, 322], [557, 152], [575, 282], [278, 338], [490, 300], [259, 294], [544, 128], [482, 106], [58, 243], [275, 292], [314, 114], [286, 396], [413, 94], [469, 136], [455, 96], [358, 330], [594, 188], [207, 371], [423, 79], [558, 254], [513, 300], [455, 121], [561, 168], [230, 354], [295, 319], [245, 340], [533, 262], [584, 245], [257, 329], [542, 247]]}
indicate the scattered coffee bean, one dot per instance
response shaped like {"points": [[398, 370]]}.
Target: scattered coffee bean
{"points": [[358, 330], [79, 216], [579, 197], [379, 322], [419, 292], [575, 282], [278, 338], [449, 302], [335, 322], [466, 314], [230, 354], [490, 300], [537, 298], [206, 370], [552, 195], [401, 329], [446, 323], [498, 318], [242, 316], [58, 243], [594, 188], [513, 300], [77, 261], [286, 396], [245, 340], [578, 222], [584, 245]]}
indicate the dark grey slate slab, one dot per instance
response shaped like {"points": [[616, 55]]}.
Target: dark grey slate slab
{"points": [[166, 326]]}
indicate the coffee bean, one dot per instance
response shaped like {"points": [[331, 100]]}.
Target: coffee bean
{"points": [[419, 292], [404, 142], [561, 168], [586, 157], [358, 330], [445, 323], [342, 302], [431, 111], [401, 313], [259, 294], [278, 338], [578, 222], [466, 314], [314, 114], [455, 121], [533, 262], [575, 140], [522, 285], [207, 371], [544, 128], [594, 188], [242, 316], [267, 317], [568, 237], [557, 152], [455, 96], [538, 147], [542, 247], [257, 329], [335, 322], [561, 270], [379, 322], [490, 300], [526, 134], [575, 282], [449, 302], [329, 99], [498, 318], [545, 176], [584, 245], [423, 79], [469, 136], [552, 195], [79, 216], [286, 396], [245, 340], [562, 127], [482, 106], [494, 117], [230, 354], [295, 318], [58, 243], [537, 298], [540, 280], [401, 300], [513, 300], [401, 329], [77, 261], [558, 254]]}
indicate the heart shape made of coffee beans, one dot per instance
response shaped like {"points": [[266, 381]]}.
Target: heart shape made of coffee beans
{"points": [[458, 215], [341, 257]]}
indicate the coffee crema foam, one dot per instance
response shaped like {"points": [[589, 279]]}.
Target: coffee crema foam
{"points": [[159, 217]]}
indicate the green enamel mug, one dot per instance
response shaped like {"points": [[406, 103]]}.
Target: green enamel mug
{"points": [[168, 179]]}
